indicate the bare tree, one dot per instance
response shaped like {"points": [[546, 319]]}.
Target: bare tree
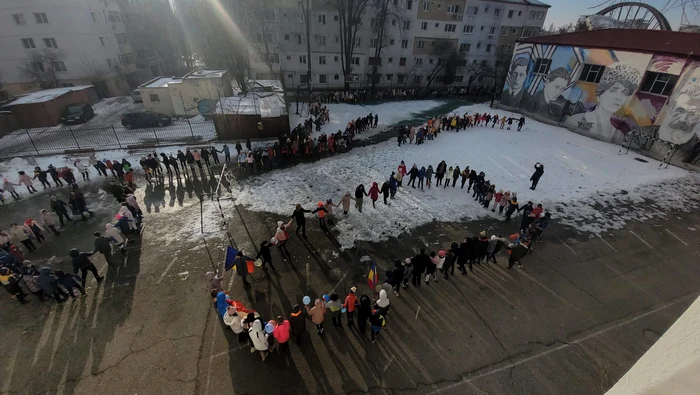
{"points": [[476, 70], [350, 21], [442, 50], [384, 10], [42, 67], [260, 21], [306, 17], [500, 66]]}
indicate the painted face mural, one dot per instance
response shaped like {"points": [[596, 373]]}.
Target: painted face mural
{"points": [[682, 121], [553, 89], [517, 77]]}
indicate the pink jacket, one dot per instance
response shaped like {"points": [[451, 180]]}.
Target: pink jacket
{"points": [[281, 332], [25, 179], [196, 155]]}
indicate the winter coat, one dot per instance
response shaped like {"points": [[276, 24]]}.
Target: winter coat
{"points": [[539, 170], [233, 320], [114, 234], [350, 302], [449, 171], [438, 262], [125, 212], [374, 192], [258, 337], [536, 212], [47, 219], [25, 179], [282, 332], [318, 312], [19, 233], [364, 310], [7, 186], [385, 189], [431, 267], [82, 166], [67, 280], [360, 192], [131, 199], [398, 273], [345, 201], [197, 156], [102, 245], [421, 173], [298, 215], [414, 172], [241, 265], [47, 281], [420, 263], [32, 282], [429, 173], [383, 301], [456, 173], [297, 323]]}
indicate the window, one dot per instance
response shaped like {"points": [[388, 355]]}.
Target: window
{"points": [[321, 41], [322, 79], [373, 43], [58, 66], [453, 9], [389, 77], [38, 66], [421, 44], [304, 78], [510, 14], [402, 61], [439, 6], [41, 17], [472, 10], [393, 22], [409, 4], [527, 32], [301, 39], [375, 61], [536, 14], [404, 43], [337, 39], [335, 18], [321, 60], [356, 60], [492, 30], [497, 12], [50, 43], [357, 41], [391, 42], [591, 73], [486, 9], [488, 47], [513, 30], [290, 77], [102, 41], [113, 17], [482, 28], [450, 27], [505, 32], [28, 43], [658, 83], [391, 60], [426, 5], [542, 66], [140, 54], [125, 59], [406, 25], [373, 23], [520, 13], [322, 19], [19, 19], [464, 47], [424, 26], [478, 45], [273, 57], [418, 61], [437, 24], [302, 59], [286, 37], [269, 16], [401, 78], [336, 77], [289, 57], [416, 79], [468, 29], [430, 60], [121, 38], [459, 78]]}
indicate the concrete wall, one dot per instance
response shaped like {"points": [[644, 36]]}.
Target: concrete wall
{"points": [[614, 106], [186, 95], [164, 105]]}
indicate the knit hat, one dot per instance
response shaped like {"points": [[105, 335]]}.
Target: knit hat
{"points": [[353, 289], [482, 234], [280, 223]]}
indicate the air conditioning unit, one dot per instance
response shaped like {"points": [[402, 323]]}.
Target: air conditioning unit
{"points": [[455, 16]]}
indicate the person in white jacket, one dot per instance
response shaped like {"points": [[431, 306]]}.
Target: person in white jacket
{"points": [[258, 338], [281, 236], [125, 212], [22, 234], [233, 320], [84, 169], [115, 237], [48, 222], [131, 199]]}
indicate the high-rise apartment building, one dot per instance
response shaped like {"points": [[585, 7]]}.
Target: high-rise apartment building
{"points": [[415, 32]]}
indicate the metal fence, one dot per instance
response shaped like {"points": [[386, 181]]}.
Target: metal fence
{"points": [[62, 139]]}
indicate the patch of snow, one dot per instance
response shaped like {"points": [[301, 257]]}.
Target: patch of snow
{"points": [[581, 175], [389, 113], [46, 95], [198, 118]]}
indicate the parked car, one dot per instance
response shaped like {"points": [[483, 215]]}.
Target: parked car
{"points": [[145, 119], [77, 113], [136, 96]]}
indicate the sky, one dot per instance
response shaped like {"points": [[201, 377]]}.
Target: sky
{"points": [[566, 11]]}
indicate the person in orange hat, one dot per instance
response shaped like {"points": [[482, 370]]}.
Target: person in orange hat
{"points": [[321, 214], [349, 305]]}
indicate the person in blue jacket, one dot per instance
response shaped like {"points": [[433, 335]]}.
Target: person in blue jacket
{"points": [[421, 177]]}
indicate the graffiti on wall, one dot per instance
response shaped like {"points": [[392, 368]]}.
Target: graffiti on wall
{"points": [[597, 91]]}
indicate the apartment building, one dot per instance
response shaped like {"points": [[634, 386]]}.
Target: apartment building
{"points": [[408, 57], [521, 21]]}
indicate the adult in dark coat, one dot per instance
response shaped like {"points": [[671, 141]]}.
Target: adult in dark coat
{"points": [[81, 261], [420, 263], [398, 274], [535, 178], [103, 246], [300, 219], [463, 255], [385, 191], [242, 267], [49, 284], [364, 311], [448, 268], [59, 207], [264, 253], [297, 322]]}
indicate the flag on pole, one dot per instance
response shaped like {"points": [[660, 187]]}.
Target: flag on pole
{"points": [[372, 277], [230, 257]]}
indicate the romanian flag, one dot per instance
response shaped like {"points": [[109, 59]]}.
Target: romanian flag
{"points": [[372, 277]]}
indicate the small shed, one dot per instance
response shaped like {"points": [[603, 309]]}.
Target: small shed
{"points": [[43, 108], [237, 117]]}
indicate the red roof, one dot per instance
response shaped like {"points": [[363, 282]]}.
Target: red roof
{"points": [[635, 40]]}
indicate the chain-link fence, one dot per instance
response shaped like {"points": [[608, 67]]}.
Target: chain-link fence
{"points": [[61, 139]]}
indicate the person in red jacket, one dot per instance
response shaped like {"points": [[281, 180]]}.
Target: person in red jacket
{"points": [[374, 193], [402, 169], [537, 211], [281, 333], [349, 305]]}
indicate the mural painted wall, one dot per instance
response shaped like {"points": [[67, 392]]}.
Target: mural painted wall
{"points": [[607, 94]]}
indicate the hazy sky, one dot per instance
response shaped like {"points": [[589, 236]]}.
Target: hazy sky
{"points": [[565, 11]]}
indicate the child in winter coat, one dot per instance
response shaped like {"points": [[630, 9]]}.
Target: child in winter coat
{"points": [[297, 323], [282, 333], [497, 200], [258, 338], [335, 306], [233, 320], [431, 268], [504, 202], [35, 229], [374, 193], [429, 176], [30, 277], [69, 281], [449, 173], [489, 196], [11, 283], [329, 212], [24, 179], [318, 314], [349, 305], [48, 222], [345, 201]]}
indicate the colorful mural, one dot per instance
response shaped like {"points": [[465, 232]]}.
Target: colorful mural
{"points": [[605, 102]]}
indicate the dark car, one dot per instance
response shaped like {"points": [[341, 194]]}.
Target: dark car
{"points": [[77, 113], [145, 119]]}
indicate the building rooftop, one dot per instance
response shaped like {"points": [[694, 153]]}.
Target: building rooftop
{"points": [[636, 40], [265, 86], [205, 74], [265, 104], [46, 95], [535, 3], [161, 82]]}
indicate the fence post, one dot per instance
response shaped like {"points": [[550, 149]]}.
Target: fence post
{"points": [[156, 136], [32, 141], [191, 131], [74, 139], [116, 137]]}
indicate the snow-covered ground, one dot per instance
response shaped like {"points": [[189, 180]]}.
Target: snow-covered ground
{"points": [[581, 174], [342, 113]]}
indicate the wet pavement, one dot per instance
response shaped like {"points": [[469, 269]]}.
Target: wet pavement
{"points": [[573, 320]]}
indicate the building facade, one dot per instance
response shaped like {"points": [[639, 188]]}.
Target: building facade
{"points": [[408, 58], [196, 92], [638, 87]]}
